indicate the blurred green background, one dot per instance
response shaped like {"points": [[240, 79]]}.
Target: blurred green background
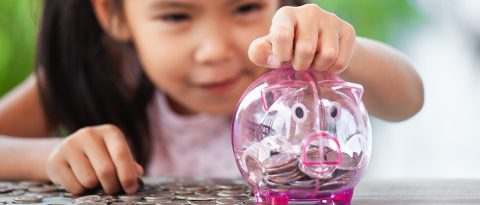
{"points": [[18, 28], [381, 20]]}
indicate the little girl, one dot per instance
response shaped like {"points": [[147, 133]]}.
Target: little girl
{"points": [[151, 85]]}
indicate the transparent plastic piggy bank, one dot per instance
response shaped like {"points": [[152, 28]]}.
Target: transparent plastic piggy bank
{"points": [[301, 137]]}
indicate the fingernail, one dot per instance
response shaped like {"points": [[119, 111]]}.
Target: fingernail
{"points": [[273, 62], [131, 189], [139, 170]]}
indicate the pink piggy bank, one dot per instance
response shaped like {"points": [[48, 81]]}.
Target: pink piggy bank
{"points": [[301, 137]]}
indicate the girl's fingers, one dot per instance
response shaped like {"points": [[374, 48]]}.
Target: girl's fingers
{"points": [[64, 176], [346, 47], [282, 34], [328, 50], [260, 53], [83, 170], [99, 157], [306, 38], [122, 158]]}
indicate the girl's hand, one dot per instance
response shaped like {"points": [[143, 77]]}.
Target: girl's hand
{"points": [[94, 155], [305, 36]]}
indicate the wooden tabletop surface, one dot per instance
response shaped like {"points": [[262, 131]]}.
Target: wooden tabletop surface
{"points": [[418, 192]]}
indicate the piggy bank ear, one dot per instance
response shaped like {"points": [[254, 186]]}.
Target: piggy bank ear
{"points": [[272, 94], [351, 90]]}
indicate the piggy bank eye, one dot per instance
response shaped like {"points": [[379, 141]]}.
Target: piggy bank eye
{"points": [[299, 112], [334, 110]]}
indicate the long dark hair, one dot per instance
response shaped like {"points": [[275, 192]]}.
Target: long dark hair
{"points": [[78, 70]]}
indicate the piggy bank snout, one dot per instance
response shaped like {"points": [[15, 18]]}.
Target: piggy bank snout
{"points": [[321, 149], [320, 154]]}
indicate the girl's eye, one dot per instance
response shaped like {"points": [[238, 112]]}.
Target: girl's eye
{"points": [[175, 18], [248, 8], [299, 112]]}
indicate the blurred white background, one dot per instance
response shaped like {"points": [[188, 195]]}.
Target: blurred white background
{"points": [[443, 140]]}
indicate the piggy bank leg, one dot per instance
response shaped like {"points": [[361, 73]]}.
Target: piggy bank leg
{"points": [[341, 197]]}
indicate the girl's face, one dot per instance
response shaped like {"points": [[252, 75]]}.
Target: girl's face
{"points": [[195, 51]]}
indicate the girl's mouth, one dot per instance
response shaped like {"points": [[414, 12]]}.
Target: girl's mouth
{"points": [[220, 87]]}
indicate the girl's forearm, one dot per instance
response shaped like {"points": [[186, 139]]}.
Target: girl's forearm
{"points": [[393, 89], [25, 158]]}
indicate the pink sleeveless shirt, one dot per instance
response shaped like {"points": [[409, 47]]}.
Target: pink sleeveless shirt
{"points": [[197, 145]]}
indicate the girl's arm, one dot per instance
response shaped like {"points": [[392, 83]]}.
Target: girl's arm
{"points": [[310, 37], [21, 112], [392, 88], [25, 158]]}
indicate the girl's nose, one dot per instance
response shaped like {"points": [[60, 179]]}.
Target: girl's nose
{"points": [[214, 48]]}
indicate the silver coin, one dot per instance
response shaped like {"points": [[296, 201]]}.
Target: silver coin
{"points": [[205, 193], [162, 201], [31, 183], [67, 195], [285, 180], [255, 151], [229, 201], [182, 197], [88, 198], [252, 163], [303, 184], [27, 199], [5, 190], [176, 203], [280, 160], [286, 173], [182, 192], [129, 198], [16, 193], [92, 203], [44, 189], [230, 194], [48, 195], [158, 196], [107, 197], [201, 202], [200, 198], [348, 163], [142, 203], [358, 158], [194, 188], [333, 185], [228, 186], [344, 175]]}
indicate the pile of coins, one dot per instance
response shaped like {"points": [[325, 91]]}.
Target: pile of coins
{"points": [[167, 191], [282, 171]]}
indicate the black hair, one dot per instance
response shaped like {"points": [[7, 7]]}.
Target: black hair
{"points": [[80, 83]]}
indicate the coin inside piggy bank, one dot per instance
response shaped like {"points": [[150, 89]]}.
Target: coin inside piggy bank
{"points": [[301, 137]]}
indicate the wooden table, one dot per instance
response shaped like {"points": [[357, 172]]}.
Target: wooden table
{"points": [[418, 192]]}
